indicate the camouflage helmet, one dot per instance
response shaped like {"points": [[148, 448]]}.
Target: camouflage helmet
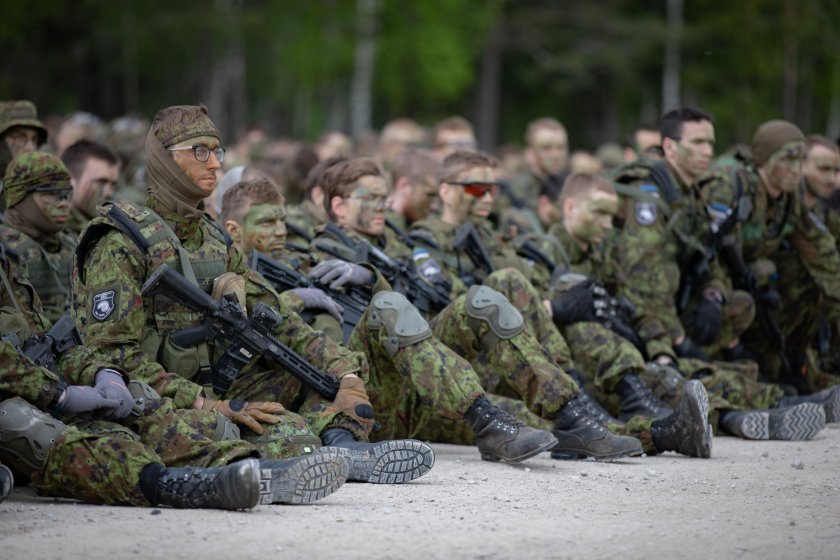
{"points": [[34, 171], [21, 113]]}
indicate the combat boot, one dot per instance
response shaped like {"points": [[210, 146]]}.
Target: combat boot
{"points": [[638, 400], [797, 422], [236, 486], [7, 482], [580, 436], [593, 407], [303, 480], [828, 398], [501, 437], [687, 429], [387, 462]]}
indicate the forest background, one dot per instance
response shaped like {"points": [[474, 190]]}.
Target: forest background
{"points": [[300, 67]]}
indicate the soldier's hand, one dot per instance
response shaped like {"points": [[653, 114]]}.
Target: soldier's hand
{"points": [[249, 414], [111, 386], [689, 349], [704, 323], [77, 399], [353, 401], [336, 273], [574, 305], [313, 298]]}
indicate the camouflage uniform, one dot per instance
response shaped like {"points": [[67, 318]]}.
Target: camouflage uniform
{"points": [[18, 113], [664, 228], [301, 222], [43, 250]]}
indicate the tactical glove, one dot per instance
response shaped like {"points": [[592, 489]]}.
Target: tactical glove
{"points": [[249, 414], [578, 304], [352, 400], [705, 321], [689, 349], [770, 298], [77, 399], [341, 272], [313, 298], [111, 386]]}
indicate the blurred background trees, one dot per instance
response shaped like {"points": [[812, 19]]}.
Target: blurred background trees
{"points": [[299, 67]]}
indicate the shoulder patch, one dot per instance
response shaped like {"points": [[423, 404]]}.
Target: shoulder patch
{"points": [[645, 213], [104, 303]]}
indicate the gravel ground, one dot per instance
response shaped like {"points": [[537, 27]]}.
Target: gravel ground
{"points": [[761, 500]]}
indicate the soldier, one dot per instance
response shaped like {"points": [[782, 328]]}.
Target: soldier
{"points": [[94, 171], [119, 450], [398, 136], [413, 385], [644, 142], [665, 248], [772, 223], [120, 250], [303, 219], [20, 130], [37, 195], [467, 190], [451, 134], [589, 204], [413, 188]]}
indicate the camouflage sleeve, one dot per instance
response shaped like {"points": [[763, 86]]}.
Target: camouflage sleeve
{"points": [[19, 377], [818, 250], [317, 347], [22, 298], [110, 312]]}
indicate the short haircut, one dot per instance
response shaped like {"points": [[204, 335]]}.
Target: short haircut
{"points": [[313, 178], [461, 160], [543, 122], [454, 123], [388, 131], [820, 140], [640, 127], [671, 125], [240, 197], [340, 179], [578, 184], [414, 165], [76, 156]]}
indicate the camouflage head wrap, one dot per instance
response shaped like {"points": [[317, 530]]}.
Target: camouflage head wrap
{"points": [[34, 171], [182, 122], [21, 113], [771, 136]]}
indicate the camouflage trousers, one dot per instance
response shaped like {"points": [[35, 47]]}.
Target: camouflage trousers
{"points": [[601, 354], [522, 367], [100, 462]]}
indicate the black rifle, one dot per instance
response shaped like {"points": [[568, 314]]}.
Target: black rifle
{"points": [[467, 240], [247, 337], [353, 299], [765, 303], [527, 249], [298, 230], [45, 349]]}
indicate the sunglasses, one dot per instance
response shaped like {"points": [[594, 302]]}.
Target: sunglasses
{"points": [[477, 189]]}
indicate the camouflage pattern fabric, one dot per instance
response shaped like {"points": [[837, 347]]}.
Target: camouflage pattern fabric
{"points": [[21, 113], [34, 171]]}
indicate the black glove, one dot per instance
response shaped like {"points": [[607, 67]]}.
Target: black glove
{"points": [[689, 349], [575, 304], [704, 323], [770, 298]]}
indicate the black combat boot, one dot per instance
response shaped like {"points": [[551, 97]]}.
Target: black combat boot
{"points": [[593, 407], [501, 437], [687, 429], [637, 399], [7, 482], [793, 423], [236, 486], [387, 462], [828, 398], [305, 479], [580, 436]]}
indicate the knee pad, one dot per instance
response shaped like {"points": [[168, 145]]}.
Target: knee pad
{"points": [[226, 430], [489, 306], [26, 434], [403, 323], [290, 437], [142, 393]]}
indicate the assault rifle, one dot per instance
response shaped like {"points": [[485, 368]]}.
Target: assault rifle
{"points": [[45, 349], [353, 299], [467, 240], [247, 337]]}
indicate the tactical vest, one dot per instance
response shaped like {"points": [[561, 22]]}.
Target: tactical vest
{"points": [[158, 242], [49, 273]]}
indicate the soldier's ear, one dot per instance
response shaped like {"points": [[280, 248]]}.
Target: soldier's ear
{"points": [[234, 229]]}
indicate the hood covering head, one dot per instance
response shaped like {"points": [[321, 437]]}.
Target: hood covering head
{"points": [[771, 136]]}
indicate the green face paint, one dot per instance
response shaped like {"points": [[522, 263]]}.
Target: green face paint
{"points": [[55, 205], [592, 219], [365, 209], [785, 166], [264, 229]]}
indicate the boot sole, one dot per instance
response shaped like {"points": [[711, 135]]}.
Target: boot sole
{"points": [[795, 423], [832, 407], [314, 477], [698, 404], [390, 462], [532, 453], [575, 455]]}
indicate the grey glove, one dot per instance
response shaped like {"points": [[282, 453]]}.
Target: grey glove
{"points": [[314, 298], [77, 399], [341, 272], [111, 386]]}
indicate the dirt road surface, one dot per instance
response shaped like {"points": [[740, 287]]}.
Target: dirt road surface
{"points": [[752, 500]]}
